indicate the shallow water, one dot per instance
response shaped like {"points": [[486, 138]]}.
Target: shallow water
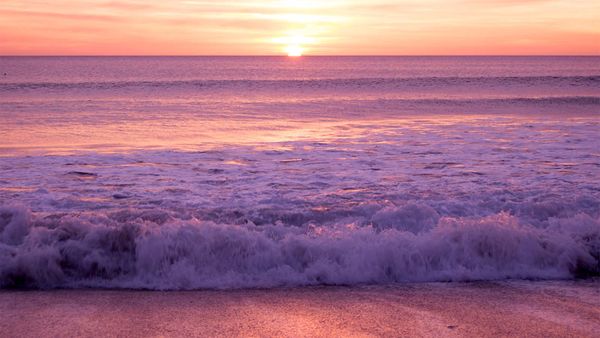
{"points": [[182, 173]]}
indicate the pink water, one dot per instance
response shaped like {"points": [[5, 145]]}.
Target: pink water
{"points": [[183, 173]]}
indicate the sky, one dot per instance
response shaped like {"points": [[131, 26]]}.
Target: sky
{"points": [[279, 27]]}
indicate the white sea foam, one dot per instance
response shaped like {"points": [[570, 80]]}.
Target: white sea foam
{"points": [[137, 250], [384, 204]]}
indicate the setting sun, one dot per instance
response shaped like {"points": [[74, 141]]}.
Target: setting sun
{"points": [[294, 50], [294, 44]]}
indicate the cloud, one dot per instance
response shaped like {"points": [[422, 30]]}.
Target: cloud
{"points": [[52, 16]]}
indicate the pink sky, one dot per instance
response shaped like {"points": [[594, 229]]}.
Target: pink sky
{"points": [[321, 27]]}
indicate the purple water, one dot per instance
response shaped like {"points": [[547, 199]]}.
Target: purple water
{"points": [[234, 172]]}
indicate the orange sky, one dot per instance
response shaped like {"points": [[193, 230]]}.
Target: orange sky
{"points": [[320, 27]]}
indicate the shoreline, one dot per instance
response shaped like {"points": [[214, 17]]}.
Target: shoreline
{"points": [[506, 308]]}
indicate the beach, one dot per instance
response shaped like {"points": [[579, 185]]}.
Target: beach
{"points": [[284, 168], [313, 196], [477, 309]]}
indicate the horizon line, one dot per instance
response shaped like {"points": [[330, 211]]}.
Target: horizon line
{"points": [[308, 55]]}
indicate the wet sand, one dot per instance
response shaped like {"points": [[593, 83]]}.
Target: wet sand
{"points": [[534, 309]]}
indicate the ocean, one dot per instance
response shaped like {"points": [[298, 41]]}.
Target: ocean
{"points": [[177, 173]]}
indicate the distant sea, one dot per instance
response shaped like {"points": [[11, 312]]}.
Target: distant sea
{"points": [[243, 172]]}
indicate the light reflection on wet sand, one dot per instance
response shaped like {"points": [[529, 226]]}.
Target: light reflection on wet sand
{"points": [[533, 309]]}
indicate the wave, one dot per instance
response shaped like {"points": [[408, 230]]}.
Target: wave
{"points": [[508, 100], [335, 107], [153, 249], [329, 83]]}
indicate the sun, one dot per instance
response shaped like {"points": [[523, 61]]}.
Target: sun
{"points": [[294, 50], [295, 44]]}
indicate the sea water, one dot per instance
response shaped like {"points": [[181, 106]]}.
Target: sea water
{"points": [[236, 172]]}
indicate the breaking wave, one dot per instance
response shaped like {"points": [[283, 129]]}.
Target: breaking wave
{"points": [[157, 250]]}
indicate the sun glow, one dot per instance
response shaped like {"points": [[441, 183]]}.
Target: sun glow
{"points": [[303, 23], [294, 50], [294, 43]]}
